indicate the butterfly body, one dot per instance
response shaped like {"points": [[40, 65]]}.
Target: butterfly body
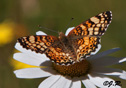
{"points": [[69, 48]]}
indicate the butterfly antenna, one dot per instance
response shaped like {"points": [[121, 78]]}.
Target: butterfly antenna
{"points": [[69, 23], [47, 28]]}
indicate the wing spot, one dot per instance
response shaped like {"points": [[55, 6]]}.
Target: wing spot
{"points": [[96, 29], [32, 39], [38, 46], [41, 43], [100, 15], [90, 29], [103, 25], [106, 21], [44, 46], [95, 20], [96, 33], [91, 33], [48, 43], [29, 44], [98, 25], [81, 47], [88, 24], [44, 39], [105, 15], [102, 21], [42, 49], [93, 25], [82, 26], [34, 44]]}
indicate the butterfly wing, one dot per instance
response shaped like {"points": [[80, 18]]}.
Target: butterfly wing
{"points": [[48, 45], [85, 46], [85, 37]]}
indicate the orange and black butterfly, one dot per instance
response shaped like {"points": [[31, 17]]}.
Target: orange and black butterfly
{"points": [[77, 44]]}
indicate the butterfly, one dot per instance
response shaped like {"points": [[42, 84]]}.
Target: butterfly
{"points": [[79, 42]]}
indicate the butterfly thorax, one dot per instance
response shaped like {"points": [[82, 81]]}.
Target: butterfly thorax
{"points": [[61, 35], [68, 48]]}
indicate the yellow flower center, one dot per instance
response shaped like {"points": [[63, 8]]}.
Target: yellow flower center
{"points": [[75, 70]]}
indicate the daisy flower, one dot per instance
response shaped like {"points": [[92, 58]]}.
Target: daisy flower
{"points": [[92, 72]]}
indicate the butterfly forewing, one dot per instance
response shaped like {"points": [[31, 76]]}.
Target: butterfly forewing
{"points": [[95, 26], [39, 43]]}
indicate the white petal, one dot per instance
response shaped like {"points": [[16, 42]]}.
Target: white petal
{"points": [[123, 75], [62, 83], [40, 33], [47, 83], [28, 59], [104, 53], [123, 60], [76, 84], [32, 73], [29, 52], [100, 81], [110, 71], [68, 30], [116, 72], [88, 84]]}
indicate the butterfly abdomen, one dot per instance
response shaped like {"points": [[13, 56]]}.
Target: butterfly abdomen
{"points": [[68, 47]]}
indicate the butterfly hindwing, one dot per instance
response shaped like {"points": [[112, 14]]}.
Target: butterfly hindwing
{"points": [[85, 46]]}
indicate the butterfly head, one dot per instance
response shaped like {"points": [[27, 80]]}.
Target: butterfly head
{"points": [[61, 35]]}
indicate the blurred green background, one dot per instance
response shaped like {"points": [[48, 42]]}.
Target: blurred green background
{"points": [[21, 18]]}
